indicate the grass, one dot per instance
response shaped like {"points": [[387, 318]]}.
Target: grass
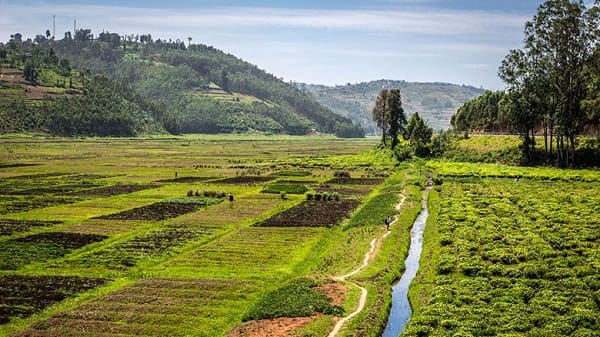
{"points": [[298, 298]]}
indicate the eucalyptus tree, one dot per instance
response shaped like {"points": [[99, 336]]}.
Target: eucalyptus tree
{"points": [[395, 117], [547, 79], [379, 112]]}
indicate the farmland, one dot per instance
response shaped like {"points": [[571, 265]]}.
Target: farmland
{"points": [[138, 237], [510, 252]]}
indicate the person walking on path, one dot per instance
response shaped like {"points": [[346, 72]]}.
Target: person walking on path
{"points": [[388, 221]]}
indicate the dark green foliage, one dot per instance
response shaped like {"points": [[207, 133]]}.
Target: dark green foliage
{"points": [[482, 114], [419, 133], [551, 76], [341, 174], [287, 188], [299, 298], [14, 255], [163, 86]]}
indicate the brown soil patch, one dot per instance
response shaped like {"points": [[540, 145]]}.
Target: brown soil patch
{"points": [[108, 191], [244, 180], [157, 211], [184, 180], [336, 291], [313, 214], [14, 76], [356, 181], [24, 295], [277, 327], [63, 239], [8, 227]]}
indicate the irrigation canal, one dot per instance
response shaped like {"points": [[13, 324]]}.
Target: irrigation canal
{"points": [[401, 311]]}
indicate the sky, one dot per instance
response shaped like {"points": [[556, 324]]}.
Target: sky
{"points": [[319, 42]]}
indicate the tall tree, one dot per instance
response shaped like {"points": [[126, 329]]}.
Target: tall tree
{"points": [[395, 117], [549, 72], [379, 113]]}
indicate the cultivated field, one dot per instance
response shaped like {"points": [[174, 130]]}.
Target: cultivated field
{"points": [[137, 237], [510, 251]]}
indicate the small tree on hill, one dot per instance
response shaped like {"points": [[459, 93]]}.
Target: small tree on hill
{"points": [[29, 72]]}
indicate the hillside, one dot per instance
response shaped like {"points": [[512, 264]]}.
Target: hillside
{"points": [[436, 102], [157, 85]]}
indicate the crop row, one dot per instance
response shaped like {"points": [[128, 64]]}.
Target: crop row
{"points": [[127, 254], [24, 295], [513, 258], [42, 247], [155, 307], [313, 214], [249, 253]]}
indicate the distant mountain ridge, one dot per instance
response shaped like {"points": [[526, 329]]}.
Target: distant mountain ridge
{"points": [[435, 102]]}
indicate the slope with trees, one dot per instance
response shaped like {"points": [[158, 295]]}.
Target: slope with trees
{"points": [[175, 80]]}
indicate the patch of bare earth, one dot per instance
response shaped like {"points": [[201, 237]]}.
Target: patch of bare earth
{"points": [[282, 327], [276, 327], [336, 291]]}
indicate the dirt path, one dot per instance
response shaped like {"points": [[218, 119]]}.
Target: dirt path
{"points": [[363, 292]]}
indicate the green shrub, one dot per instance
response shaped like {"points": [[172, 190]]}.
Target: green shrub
{"points": [[287, 188], [341, 174], [299, 298]]}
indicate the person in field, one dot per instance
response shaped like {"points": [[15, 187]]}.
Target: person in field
{"points": [[388, 221]]}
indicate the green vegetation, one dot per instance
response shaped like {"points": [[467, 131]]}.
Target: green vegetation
{"points": [[552, 87], [510, 256], [286, 188], [298, 298], [148, 86]]}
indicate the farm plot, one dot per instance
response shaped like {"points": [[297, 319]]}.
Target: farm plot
{"points": [[108, 191], [313, 214], [162, 210], [42, 247], [185, 180], [356, 181], [127, 254], [28, 192], [249, 253], [22, 296], [9, 227], [512, 258], [155, 307], [250, 180]]}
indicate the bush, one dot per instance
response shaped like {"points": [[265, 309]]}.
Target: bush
{"points": [[298, 298], [287, 188], [190, 193], [310, 196], [341, 174]]}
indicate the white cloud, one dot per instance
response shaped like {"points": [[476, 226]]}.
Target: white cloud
{"points": [[421, 21]]}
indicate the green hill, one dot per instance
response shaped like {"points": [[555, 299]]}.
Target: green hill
{"points": [[436, 102], [154, 85]]}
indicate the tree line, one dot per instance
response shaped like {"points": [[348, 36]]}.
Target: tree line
{"points": [[553, 85]]}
